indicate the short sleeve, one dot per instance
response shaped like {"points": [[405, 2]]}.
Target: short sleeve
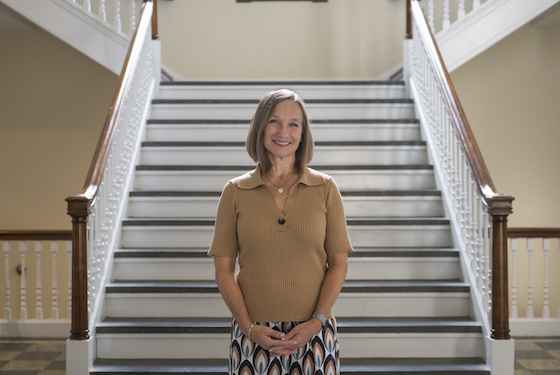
{"points": [[337, 239], [224, 243]]}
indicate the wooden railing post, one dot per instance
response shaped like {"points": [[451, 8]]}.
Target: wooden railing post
{"points": [[155, 34], [79, 209], [500, 206], [408, 20]]}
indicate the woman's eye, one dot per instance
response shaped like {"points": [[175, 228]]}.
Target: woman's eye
{"points": [[294, 124]]}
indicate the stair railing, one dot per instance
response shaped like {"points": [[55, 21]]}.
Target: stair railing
{"points": [[97, 209], [477, 211], [41, 251], [118, 15], [442, 15], [534, 262]]}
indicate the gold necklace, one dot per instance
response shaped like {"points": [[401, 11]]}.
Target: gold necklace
{"points": [[280, 188]]}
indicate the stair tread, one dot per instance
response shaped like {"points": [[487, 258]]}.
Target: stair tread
{"points": [[407, 121], [256, 101], [348, 366], [217, 193], [349, 220], [317, 144], [349, 82], [357, 253], [230, 167], [345, 325], [350, 286]]}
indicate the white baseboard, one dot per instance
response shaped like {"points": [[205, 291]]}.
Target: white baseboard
{"points": [[521, 327], [35, 328]]}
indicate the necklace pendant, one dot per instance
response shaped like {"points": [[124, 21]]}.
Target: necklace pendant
{"points": [[280, 190]]}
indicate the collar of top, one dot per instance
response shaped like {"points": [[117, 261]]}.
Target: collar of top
{"points": [[309, 177]]}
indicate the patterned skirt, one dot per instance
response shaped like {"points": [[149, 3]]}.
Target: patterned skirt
{"points": [[320, 356]]}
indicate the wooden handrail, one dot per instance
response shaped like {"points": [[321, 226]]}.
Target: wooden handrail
{"points": [[534, 232], [499, 205], [79, 206], [35, 235]]}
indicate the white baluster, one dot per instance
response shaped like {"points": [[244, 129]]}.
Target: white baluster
{"points": [[54, 308], [7, 307], [446, 20], [39, 306], [132, 17], [431, 15], [514, 312], [461, 13], [69, 252], [475, 5], [23, 292], [546, 308], [102, 11], [530, 312], [87, 6], [117, 25]]}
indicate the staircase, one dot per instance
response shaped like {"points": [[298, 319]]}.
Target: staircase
{"points": [[404, 308]]}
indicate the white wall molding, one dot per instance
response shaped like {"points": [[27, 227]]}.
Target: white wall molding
{"points": [[521, 327], [80, 30], [479, 30]]}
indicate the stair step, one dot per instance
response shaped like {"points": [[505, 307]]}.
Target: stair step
{"points": [[306, 89], [348, 366], [334, 153], [193, 264], [395, 203], [323, 130], [344, 325], [198, 233], [371, 177], [318, 108]]}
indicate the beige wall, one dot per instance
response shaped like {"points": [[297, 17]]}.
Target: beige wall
{"points": [[511, 94], [53, 102], [222, 39]]}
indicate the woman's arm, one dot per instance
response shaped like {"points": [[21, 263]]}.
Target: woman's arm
{"points": [[266, 337], [332, 285]]}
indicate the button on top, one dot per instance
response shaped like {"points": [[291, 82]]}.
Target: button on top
{"points": [[281, 221]]}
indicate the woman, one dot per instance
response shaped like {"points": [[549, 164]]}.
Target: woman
{"points": [[286, 224]]}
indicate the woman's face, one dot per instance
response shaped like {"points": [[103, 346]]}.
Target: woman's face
{"points": [[283, 130]]}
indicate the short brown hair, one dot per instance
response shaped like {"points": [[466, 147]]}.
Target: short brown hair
{"points": [[255, 137]]}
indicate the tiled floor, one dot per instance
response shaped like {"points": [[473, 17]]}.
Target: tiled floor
{"points": [[533, 356]]}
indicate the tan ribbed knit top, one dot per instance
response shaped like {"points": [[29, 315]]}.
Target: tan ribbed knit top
{"points": [[282, 255]]}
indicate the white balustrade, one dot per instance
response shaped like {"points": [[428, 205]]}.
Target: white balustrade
{"points": [[107, 208], [124, 12], [29, 254], [531, 261], [441, 13], [467, 205]]}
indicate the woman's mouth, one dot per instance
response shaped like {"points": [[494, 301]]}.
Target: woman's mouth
{"points": [[279, 143]]}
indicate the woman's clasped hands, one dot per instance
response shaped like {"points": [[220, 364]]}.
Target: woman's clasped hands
{"points": [[278, 343]]}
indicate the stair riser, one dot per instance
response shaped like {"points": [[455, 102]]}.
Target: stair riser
{"points": [[403, 345], [358, 268], [211, 305], [305, 91], [168, 207], [342, 155], [315, 111], [361, 236], [238, 133], [346, 180]]}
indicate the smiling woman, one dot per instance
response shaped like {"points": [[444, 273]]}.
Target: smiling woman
{"points": [[284, 224]]}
